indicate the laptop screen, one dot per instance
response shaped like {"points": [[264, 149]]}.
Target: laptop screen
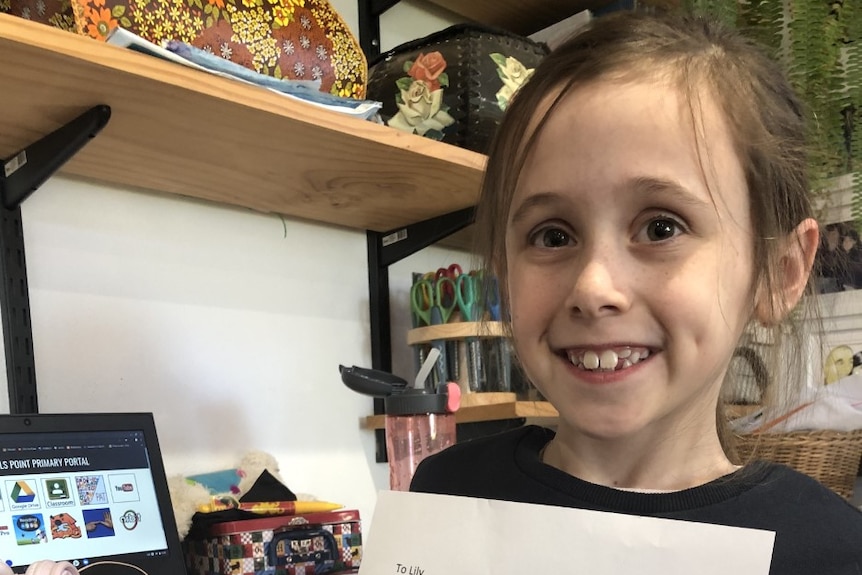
{"points": [[85, 488]]}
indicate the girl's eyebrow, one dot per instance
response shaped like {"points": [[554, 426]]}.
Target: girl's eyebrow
{"points": [[666, 189], [662, 188], [537, 200]]}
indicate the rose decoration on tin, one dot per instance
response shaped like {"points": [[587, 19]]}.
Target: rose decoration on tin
{"points": [[420, 97], [513, 74]]}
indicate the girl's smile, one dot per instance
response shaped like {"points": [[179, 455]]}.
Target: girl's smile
{"points": [[611, 358]]}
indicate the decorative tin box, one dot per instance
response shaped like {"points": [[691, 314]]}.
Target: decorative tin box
{"points": [[453, 85], [295, 39], [310, 544]]}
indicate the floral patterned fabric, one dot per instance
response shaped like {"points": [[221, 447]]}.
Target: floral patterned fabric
{"points": [[293, 39]]}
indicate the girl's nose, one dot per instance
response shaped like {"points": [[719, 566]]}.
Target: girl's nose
{"points": [[599, 288]]}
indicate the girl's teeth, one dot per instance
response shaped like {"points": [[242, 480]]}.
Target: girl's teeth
{"points": [[608, 359], [591, 360]]}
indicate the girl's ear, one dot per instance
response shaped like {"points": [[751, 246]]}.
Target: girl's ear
{"points": [[794, 266]]}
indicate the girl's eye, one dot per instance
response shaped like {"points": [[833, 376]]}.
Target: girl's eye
{"points": [[552, 238], [662, 229]]}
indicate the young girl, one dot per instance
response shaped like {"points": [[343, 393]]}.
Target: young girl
{"points": [[645, 202]]}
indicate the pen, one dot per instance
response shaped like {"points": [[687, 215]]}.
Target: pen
{"points": [[270, 507]]}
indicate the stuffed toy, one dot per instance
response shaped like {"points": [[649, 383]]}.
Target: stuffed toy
{"points": [[190, 492]]}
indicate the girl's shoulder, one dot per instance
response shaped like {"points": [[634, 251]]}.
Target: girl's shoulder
{"points": [[788, 492], [481, 467]]}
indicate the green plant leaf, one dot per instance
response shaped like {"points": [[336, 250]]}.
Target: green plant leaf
{"points": [[443, 79], [118, 11]]}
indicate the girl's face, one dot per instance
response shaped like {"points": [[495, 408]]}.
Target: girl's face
{"points": [[629, 282]]}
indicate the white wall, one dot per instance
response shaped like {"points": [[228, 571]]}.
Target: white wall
{"points": [[228, 325]]}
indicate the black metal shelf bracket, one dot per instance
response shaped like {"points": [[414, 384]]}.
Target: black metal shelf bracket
{"points": [[20, 176], [385, 249], [369, 24]]}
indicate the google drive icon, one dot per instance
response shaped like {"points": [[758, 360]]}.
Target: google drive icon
{"points": [[22, 493]]}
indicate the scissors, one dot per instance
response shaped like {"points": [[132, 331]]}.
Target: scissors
{"points": [[466, 294], [453, 272], [500, 353], [432, 306], [430, 303], [492, 298]]}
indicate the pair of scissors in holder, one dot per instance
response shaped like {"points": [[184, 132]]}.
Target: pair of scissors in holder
{"points": [[432, 306], [492, 302], [467, 291], [452, 272]]}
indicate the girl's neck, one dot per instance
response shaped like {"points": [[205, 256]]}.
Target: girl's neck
{"points": [[638, 464]]}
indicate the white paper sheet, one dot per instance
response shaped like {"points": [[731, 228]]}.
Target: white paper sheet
{"points": [[421, 534]]}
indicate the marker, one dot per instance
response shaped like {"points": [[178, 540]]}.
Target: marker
{"points": [[269, 507]]}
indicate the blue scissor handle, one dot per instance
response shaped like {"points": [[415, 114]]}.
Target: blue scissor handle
{"points": [[492, 298]]}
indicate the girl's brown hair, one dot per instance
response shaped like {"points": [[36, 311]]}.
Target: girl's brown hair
{"points": [[699, 57]]}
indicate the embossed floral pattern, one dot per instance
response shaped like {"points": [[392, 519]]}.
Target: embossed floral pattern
{"points": [[513, 74], [58, 13], [420, 97]]}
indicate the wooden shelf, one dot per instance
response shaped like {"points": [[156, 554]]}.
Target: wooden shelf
{"points": [[455, 330], [540, 412], [519, 16], [182, 131]]}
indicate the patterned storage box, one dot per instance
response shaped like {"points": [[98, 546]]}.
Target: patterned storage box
{"points": [[310, 544], [292, 39], [453, 85]]}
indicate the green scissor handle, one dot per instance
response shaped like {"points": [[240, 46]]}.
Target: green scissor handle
{"points": [[445, 296], [421, 301], [466, 294]]}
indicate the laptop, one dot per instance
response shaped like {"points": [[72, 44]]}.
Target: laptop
{"points": [[88, 488]]}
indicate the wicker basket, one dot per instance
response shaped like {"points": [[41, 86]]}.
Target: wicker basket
{"points": [[831, 457]]}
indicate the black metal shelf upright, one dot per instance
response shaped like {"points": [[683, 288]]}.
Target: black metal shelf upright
{"points": [[21, 175], [387, 248]]}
